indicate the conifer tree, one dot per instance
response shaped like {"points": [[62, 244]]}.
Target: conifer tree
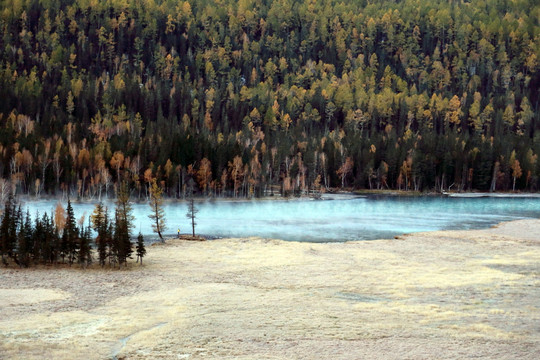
{"points": [[141, 249], [8, 230], [99, 219], [156, 204], [191, 214], [111, 254], [54, 239], [124, 224], [17, 224], [85, 250], [25, 238], [38, 238], [70, 237]]}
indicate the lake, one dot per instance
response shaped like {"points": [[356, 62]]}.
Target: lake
{"points": [[362, 218]]}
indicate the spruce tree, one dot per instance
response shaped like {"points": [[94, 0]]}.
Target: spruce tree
{"points": [[8, 230], [70, 237], [110, 242], [85, 250], [38, 236], [54, 239], [25, 238], [99, 219], [124, 224], [141, 250]]}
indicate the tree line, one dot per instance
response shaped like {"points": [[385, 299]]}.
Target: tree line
{"points": [[247, 98], [61, 238]]}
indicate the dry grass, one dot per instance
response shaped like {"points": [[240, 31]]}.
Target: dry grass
{"points": [[443, 295]]}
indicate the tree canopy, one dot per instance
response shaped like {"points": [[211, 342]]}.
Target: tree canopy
{"points": [[247, 97]]}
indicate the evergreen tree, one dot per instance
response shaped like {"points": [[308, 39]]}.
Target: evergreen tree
{"points": [[38, 239], [100, 224], [85, 250], [8, 230], [54, 233], [124, 224], [70, 237], [25, 237], [141, 249]]}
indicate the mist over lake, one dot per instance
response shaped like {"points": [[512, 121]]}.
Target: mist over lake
{"points": [[364, 218]]}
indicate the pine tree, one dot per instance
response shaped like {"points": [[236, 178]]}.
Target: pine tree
{"points": [[118, 234], [38, 237], [111, 254], [191, 214], [141, 250], [17, 224], [25, 237], [54, 240], [158, 214], [8, 230], [70, 237], [124, 224], [85, 250], [99, 219]]}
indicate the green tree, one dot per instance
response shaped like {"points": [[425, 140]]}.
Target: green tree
{"points": [[100, 224], [8, 230], [70, 236], [124, 224], [85, 250], [25, 241], [141, 249]]}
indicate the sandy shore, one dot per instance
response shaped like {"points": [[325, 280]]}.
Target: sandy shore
{"points": [[443, 295]]}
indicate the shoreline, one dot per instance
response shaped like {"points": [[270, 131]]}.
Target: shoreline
{"points": [[445, 294], [332, 195], [216, 232]]}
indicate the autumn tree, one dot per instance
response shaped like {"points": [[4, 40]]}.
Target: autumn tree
{"points": [[239, 92], [204, 174], [516, 169], [192, 214], [157, 213], [345, 170]]}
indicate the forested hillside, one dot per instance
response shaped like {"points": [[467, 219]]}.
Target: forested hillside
{"points": [[241, 95]]}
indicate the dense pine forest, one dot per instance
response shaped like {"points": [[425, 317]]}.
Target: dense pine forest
{"points": [[59, 238], [251, 97]]}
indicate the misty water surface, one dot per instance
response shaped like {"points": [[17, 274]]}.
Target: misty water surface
{"points": [[364, 218]]}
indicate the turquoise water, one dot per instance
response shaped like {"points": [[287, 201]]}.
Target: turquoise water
{"points": [[367, 218]]}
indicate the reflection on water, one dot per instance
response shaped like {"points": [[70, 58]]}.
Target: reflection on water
{"points": [[329, 220]]}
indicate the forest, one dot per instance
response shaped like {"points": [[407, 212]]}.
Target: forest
{"points": [[60, 238], [248, 98]]}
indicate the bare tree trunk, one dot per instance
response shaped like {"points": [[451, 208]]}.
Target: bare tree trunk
{"points": [[493, 186]]}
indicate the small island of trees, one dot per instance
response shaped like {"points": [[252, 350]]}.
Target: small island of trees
{"points": [[59, 238]]}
